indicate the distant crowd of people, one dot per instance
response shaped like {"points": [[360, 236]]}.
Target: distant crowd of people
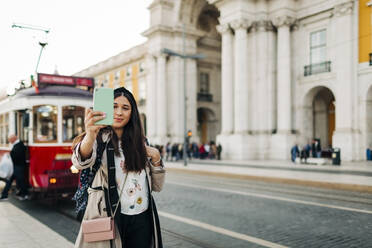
{"points": [[174, 152], [314, 149]]}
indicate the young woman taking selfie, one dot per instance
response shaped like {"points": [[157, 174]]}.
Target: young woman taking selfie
{"points": [[128, 172]]}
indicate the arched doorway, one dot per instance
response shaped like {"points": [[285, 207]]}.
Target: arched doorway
{"points": [[319, 116], [207, 128]]}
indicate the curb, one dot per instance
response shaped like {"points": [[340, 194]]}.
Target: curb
{"points": [[326, 185]]}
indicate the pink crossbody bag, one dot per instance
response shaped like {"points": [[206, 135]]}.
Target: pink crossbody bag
{"points": [[101, 229]]}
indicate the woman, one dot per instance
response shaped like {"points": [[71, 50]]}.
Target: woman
{"points": [[129, 182]]}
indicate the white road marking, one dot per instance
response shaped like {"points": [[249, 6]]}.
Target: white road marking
{"points": [[260, 187], [221, 230], [274, 198]]}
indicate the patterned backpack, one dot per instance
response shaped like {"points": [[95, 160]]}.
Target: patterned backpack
{"points": [[86, 179]]}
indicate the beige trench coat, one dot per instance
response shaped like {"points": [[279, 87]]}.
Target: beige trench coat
{"points": [[96, 203]]}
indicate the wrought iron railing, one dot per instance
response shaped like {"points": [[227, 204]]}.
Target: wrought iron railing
{"points": [[205, 97], [317, 68]]}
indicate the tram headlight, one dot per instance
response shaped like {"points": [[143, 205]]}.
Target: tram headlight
{"points": [[52, 180], [74, 170]]}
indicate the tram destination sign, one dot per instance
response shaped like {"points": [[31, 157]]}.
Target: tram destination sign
{"points": [[51, 79]]}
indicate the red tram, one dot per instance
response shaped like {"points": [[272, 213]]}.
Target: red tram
{"points": [[47, 121]]}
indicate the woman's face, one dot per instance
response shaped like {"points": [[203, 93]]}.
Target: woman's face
{"points": [[122, 112]]}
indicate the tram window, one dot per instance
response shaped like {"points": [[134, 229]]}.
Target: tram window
{"points": [[4, 129], [45, 123], [72, 122], [23, 125]]}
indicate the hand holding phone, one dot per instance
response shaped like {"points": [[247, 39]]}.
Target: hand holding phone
{"points": [[103, 100]]}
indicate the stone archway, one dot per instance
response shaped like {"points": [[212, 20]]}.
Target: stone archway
{"points": [[201, 20], [207, 128], [319, 116]]}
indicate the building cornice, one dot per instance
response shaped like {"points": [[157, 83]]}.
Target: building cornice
{"points": [[241, 24], [165, 3], [285, 20], [156, 29], [126, 57], [343, 9], [262, 26]]}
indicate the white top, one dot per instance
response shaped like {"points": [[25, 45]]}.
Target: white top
{"points": [[134, 199]]}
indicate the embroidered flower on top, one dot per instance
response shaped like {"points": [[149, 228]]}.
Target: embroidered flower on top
{"points": [[122, 165], [136, 184], [131, 191]]}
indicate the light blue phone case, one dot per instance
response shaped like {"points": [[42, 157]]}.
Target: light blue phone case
{"points": [[103, 100]]}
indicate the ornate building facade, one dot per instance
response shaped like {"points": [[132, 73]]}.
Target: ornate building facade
{"points": [[275, 73]]}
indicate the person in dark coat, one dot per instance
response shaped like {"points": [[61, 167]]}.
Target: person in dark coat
{"points": [[18, 155], [295, 151], [219, 150]]}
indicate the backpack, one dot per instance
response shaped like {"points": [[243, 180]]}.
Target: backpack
{"points": [[86, 179]]}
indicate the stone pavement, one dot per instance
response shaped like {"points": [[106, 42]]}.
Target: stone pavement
{"points": [[355, 176], [20, 230]]}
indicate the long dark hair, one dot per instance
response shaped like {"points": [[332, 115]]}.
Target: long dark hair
{"points": [[132, 140]]}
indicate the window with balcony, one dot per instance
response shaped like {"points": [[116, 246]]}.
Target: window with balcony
{"points": [[318, 54], [142, 92], [203, 94], [129, 71], [116, 79]]}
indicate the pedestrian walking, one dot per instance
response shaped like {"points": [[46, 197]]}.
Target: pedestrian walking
{"points": [[219, 150], [18, 156], [213, 150], [128, 173], [294, 153], [175, 152], [168, 151]]}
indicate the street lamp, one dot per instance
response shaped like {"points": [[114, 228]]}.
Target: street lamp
{"points": [[184, 56]]}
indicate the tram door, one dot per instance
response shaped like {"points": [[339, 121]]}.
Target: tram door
{"points": [[22, 128], [22, 124]]}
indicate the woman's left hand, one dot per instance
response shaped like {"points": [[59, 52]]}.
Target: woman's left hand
{"points": [[154, 154]]}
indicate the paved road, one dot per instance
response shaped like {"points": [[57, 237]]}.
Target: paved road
{"points": [[199, 211], [290, 216]]}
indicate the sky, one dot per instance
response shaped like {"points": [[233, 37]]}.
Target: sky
{"points": [[82, 33]]}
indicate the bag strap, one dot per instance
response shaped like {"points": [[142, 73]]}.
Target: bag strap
{"points": [[101, 146], [121, 191]]}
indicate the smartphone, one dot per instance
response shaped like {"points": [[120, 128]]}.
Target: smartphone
{"points": [[103, 100]]}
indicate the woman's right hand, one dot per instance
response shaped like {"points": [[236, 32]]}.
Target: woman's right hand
{"points": [[92, 117]]}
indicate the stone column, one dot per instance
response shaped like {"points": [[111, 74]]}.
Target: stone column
{"points": [[191, 101], [175, 110], [283, 24], [241, 91], [345, 135], [283, 140], [161, 94], [227, 84], [151, 98], [253, 65]]}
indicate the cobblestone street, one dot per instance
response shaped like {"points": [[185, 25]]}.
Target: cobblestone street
{"points": [[216, 212]]}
